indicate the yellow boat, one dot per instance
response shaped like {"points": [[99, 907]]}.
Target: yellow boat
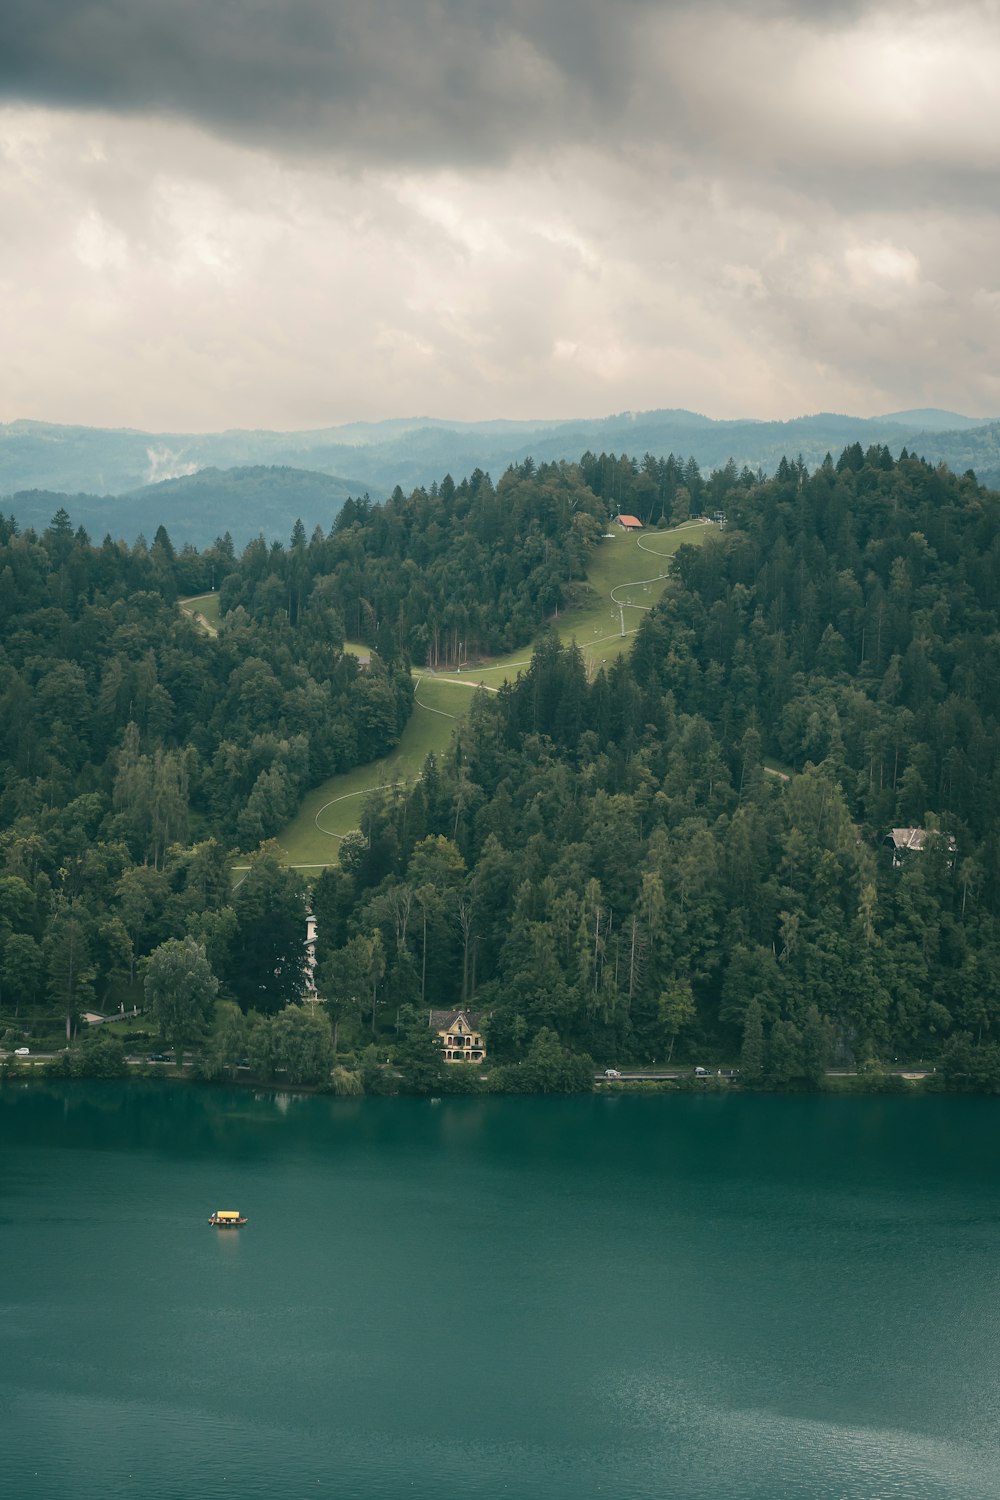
{"points": [[227, 1218]]}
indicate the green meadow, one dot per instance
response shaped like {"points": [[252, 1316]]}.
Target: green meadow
{"points": [[334, 808], [204, 605], [626, 578]]}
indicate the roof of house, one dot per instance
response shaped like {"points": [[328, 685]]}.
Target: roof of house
{"points": [[913, 838], [629, 521], [906, 838], [447, 1020]]}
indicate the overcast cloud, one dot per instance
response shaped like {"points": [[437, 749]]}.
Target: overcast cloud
{"points": [[260, 214]]}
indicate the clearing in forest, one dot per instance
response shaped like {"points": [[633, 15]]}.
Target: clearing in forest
{"points": [[626, 578], [204, 609]]}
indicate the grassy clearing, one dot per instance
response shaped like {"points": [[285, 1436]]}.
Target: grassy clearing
{"points": [[333, 809], [122, 1025], [626, 579], [205, 606]]}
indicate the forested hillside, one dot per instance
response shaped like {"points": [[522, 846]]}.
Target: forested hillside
{"points": [[468, 566], [611, 859], [416, 452], [138, 751], [680, 856]]}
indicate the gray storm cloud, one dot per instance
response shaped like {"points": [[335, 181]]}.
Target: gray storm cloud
{"points": [[246, 211], [473, 81], [405, 79]]}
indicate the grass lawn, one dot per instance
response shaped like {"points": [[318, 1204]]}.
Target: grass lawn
{"points": [[628, 570], [206, 605], [626, 578], [333, 809], [121, 1025]]}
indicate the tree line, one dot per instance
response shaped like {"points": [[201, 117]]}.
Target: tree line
{"points": [[683, 856], [142, 756], [679, 856]]}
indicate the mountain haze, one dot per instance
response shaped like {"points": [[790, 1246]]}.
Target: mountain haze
{"points": [[199, 507], [125, 481]]}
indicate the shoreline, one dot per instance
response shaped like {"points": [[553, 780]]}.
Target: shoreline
{"points": [[835, 1085]]}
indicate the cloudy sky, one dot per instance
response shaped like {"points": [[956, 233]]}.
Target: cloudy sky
{"points": [[292, 213]]}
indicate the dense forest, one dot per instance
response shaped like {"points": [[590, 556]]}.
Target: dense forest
{"points": [[682, 856], [139, 752], [468, 565], [686, 854]]}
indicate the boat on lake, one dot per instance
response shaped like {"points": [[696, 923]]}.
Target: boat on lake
{"points": [[227, 1218]]}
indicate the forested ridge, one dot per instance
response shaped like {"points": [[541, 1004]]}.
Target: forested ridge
{"points": [[139, 752], [611, 859], [600, 865], [472, 564]]}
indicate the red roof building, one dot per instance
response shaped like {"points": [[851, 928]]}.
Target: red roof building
{"points": [[629, 523]]}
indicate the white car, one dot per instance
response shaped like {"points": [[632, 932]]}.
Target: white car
{"points": [[22, 1051], [611, 1073]]}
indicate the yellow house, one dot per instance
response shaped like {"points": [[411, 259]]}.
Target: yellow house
{"points": [[461, 1039]]}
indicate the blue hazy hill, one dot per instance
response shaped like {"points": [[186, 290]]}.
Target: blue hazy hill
{"points": [[200, 485]]}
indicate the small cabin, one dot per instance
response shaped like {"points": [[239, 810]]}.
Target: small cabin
{"points": [[628, 523], [905, 841], [461, 1039]]}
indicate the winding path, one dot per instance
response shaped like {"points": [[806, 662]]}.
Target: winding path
{"points": [[197, 615], [474, 680], [378, 786], [637, 583]]}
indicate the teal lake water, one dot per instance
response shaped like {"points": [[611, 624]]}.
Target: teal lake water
{"points": [[699, 1297]]}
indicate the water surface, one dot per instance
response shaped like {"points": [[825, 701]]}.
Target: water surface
{"points": [[699, 1297]]}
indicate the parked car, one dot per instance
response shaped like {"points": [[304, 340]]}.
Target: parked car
{"points": [[22, 1051], [701, 1072], [157, 1057], [611, 1073]]}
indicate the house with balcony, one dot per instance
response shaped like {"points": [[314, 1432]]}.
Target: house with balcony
{"points": [[460, 1036]]}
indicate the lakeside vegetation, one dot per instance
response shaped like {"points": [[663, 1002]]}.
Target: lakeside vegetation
{"points": [[597, 859]]}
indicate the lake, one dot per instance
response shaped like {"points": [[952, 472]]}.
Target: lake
{"points": [[699, 1296]]}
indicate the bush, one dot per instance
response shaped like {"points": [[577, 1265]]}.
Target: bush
{"points": [[463, 1078], [375, 1075], [549, 1068], [346, 1083], [100, 1056], [869, 1081], [969, 1068]]}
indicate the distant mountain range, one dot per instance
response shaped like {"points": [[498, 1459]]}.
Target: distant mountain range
{"points": [[197, 508], [201, 485]]}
